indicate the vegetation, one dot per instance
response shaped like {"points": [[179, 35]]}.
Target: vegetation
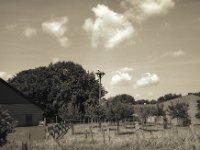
{"points": [[144, 112], [145, 101], [198, 108], [6, 126], [179, 111], [168, 97], [119, 107], [59, 85], [185, 138]]}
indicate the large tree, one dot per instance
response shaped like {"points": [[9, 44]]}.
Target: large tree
{"points": [[58, 85]]}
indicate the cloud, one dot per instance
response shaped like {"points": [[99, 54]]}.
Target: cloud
{"points": [[147, 80], [150, 94], [178, 53], [57, 28], [5, 75], [64, 41], [137, 95], [11, 26], [140, 10], [122, 76], [29, 32], [55, 60], [109, 28]]}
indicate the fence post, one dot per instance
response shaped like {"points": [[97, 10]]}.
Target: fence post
{"points": [[109, 134], [72, 129], [104, 138], [24, 146]]}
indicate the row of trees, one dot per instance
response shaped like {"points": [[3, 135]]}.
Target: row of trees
{"points": [[67, 90], [161, 99]]}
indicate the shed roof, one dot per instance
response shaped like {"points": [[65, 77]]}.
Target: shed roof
{"points": [[10, 95]]}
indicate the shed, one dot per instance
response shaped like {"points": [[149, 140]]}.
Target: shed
{"points": [[19, 106]]}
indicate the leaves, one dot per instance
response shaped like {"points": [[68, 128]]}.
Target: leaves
{"points": [[6, 126], [58, 84], [179, 111]]}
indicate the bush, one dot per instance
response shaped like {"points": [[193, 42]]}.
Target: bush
{"points": [[7, 125], [186, 122]]}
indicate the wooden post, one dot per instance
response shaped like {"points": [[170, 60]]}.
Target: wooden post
{"points": [[109, 134], [104, 138], [56, 119], [45, 122], [72, 129], [117, 126], [24, 146]]}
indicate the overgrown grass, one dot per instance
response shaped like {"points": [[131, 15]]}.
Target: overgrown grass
{"points": [[88, 138]]}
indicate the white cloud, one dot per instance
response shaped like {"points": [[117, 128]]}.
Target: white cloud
{"points": [[178, 53], [147, 80], [11, 26], [156, 7], [55, 60], [140, 10], [137, 95], [122, 76], [64, 41], [29, 32], [150, 94], [5, 75], [57, 28], [109, 28]]}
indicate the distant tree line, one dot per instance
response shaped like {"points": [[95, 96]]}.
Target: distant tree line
{"points": [[68, 90]]}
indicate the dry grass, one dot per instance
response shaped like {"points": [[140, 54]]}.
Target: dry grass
{"points": [[90, 138]]}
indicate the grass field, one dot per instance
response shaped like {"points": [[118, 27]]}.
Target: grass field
{"points": [[89, 137]]}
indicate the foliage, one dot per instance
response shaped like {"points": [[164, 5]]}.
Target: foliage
{"points": [[119, 107], [159, 110], [145, 101], [180, 112], [168, 97], [124, 98], [6, 126], [144, 112], [198, 108], [58, 84], [197, 93]]}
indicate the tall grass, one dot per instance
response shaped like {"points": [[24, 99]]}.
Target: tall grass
{"points": [[91, 138]]}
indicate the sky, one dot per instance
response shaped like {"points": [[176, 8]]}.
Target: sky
{"points": [[147, 48]]}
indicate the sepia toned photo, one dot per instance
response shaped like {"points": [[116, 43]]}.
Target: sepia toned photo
{"points": [[99, 74]]}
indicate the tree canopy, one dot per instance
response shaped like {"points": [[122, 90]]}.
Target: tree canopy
{"points": [[58, 84], [119, 107], [168, 97], [179, 111]]}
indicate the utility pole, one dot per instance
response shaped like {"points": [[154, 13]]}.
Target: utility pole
{"points": [[100, 74]]}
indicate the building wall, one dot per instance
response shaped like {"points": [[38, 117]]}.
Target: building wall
{"points": [[19, 111]]}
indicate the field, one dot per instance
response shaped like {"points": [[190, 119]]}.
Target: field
{"points": [[90, 137]]}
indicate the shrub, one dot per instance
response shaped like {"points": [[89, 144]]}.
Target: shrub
{"points": [[6, 126]]}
